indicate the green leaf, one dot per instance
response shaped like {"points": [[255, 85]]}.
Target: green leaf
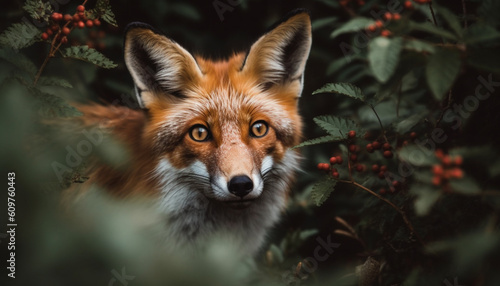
{"points": [[418, 46], [53, 81], [480, 33], [466, 186], [342, 88], [441, 71], [19, 60], [323, 22], [338, 127], [85, 53], [103, 10], [450, 18], [277, 253], [383, 56], [322, 190], [432, 29], [408, 123], [418, 156], [52, 106], [38, 10], [19, 35], [305, 234], [354, 25], [426, 198], [316, 141]]}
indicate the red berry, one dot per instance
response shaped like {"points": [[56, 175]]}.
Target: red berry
{"points": [[439, 154], [80, 8], [320, 166], [382, 191], [336, 175], [89, 23], [66, 30], [339, 160], [361, 2], [360, 168], [97, 22], [385, 33], [405, 143], [396, 184], [76, 18], [388, 16], [437, 170], [379, 24], [371, 28], [54, 28], [68, 17], [45, 36], [381, 175], [446, 160], [351, 134], [333, 160], [49, 32], [458, 160], [375, 168], [369, 148], [408, 4], [388, 154], [436, 180], [354, 157], [56, 16], [376, 145], [386, 146], [457, 173], [64, 40], [353, 148], [81, 25], [383, 168], [396, 16]]}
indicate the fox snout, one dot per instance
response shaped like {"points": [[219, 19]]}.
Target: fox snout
{"points": [[240, 186]]}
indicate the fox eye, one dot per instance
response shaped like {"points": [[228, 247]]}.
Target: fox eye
{"points": [[199, 133], [259, 129]]}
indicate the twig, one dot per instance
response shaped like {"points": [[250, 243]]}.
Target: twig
{"points": [[465, 14], [380, 122], [434, 18], [400, 211]]}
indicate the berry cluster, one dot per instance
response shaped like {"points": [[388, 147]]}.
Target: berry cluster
{"points": [[448, 169], [378, 25], [354, 150], [69, 22]]}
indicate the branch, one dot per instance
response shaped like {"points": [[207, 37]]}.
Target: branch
{"points": [[400, 211]]}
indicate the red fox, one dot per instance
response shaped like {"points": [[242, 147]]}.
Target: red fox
{"points": [[212, 142]]}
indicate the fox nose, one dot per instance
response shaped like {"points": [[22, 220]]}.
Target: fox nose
{"points": [[240, 186]]}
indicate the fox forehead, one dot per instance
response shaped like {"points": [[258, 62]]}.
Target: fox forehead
{"points": [[226, 111]]}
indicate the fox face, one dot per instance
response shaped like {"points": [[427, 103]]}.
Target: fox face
{"points": [[213, 139], [227, 123]]}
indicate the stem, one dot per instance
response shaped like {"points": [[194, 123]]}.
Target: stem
{"points": [[448, 104], [434, 18], [400, 211], [380, 122], [465, 14], [399, 98], [53, 49]]}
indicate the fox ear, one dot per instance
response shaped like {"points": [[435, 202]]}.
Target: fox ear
{"points": [[157, 64], [280, 55]]}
